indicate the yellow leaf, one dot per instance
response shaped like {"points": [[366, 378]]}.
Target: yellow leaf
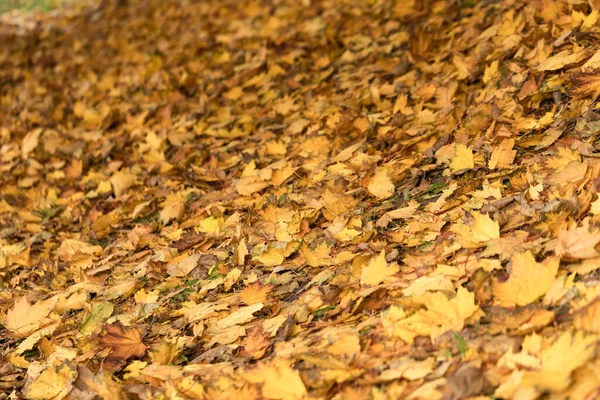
{"points": [[183, 265], [578, 242], [528, 280], [30, 142], [247, 186], [318, 257], [429, 283], [463, 158], [121, 181], [440, 315], [279, 380], [503, 155], [570, 351], [197, 312], [377, 270], [255, 292], [491, 71], [52, 383], [70, 248], [592, 64], [173, 207], [485, 228], [209, 225], [401, 105], [595, 205], [271, 257], [381, 185], [345, 344]]}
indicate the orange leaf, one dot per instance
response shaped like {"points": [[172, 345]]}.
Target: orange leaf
{"points": [[123, 342]]}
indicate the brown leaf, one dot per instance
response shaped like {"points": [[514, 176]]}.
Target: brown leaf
{"points": [[123, 342]]}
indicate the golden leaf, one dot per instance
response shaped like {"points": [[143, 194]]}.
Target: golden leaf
{"points": [[571, 350], [255, 293], [381, 185], [52, 383], [279, 380], [484, 228], [528, 281], [462, 159], [441, 315], [377, 270]]}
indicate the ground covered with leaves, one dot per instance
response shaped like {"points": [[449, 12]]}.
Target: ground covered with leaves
{"points": [[301, 199]]}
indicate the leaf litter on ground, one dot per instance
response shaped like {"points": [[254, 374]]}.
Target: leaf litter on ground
{"points": [[300, 199]]}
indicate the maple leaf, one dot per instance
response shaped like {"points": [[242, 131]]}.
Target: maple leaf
{"points": [[123, 342], [279, 380], [571, 350], [256, 343], [561, 60], [55, 382], [121, 181], [183, 265], [528, 280], [173, 206], [381, 185], [242, 315], [377, 270], [73, 247], [30, 142], [484, 228], [270, 257], [462, 159], [586, 85], [441, 315], [255, 292], [345, 344], [578, 242], [318, 257], [23, 318]]}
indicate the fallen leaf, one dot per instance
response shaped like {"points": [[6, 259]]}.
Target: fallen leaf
{"points": [[381, 185], [241, 316], [377, 270], [123, 342], [528, 281], [255, 293], [24, 318]]}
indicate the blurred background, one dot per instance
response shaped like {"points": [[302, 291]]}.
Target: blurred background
{"points": [[29, 5]]}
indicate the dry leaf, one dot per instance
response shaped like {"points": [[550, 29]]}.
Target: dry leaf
{"points": [[377, 270], [381, 185], [24, 318], [528, 281], [255, 293], [123, 342]]}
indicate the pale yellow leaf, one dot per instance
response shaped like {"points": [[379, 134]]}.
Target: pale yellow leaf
{"points": [[241, 316], [24, 318]]}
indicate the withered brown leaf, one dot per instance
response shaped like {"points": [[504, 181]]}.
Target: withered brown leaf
{"points": [[123, 342]]}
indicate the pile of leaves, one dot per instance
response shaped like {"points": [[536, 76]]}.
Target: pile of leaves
{"points": [[288, 199]]}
